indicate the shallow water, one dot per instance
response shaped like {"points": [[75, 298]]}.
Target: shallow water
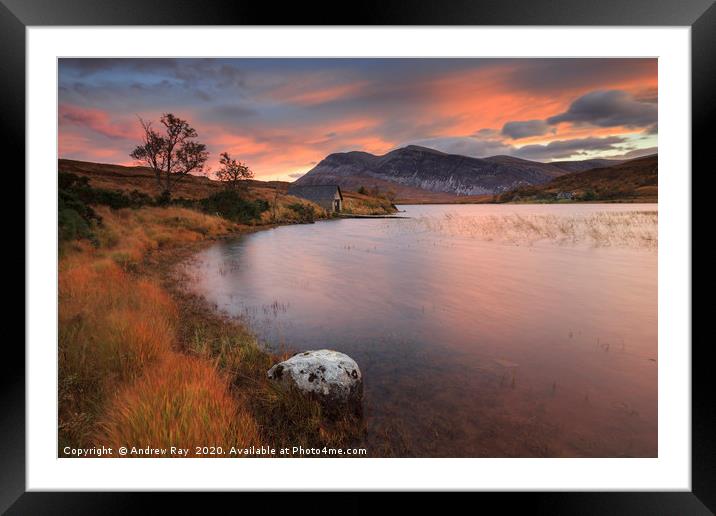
{"points": [[477, 336]]}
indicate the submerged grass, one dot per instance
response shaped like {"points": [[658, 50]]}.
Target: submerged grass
{"points": [[284, 418], [630, 229], [143, 363]]}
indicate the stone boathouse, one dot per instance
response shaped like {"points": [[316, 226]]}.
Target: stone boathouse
{"points": [[328, 197]]}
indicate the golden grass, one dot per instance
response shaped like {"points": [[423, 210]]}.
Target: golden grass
{"points": [[368, 206], [114, 325], [285, 418], [183, 402], [111, 327], [139, 366], [279, 211], [129, 234], [627, 229], [126, 179]]}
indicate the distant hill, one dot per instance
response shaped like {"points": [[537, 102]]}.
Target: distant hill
{"points": [[581, 166], [413, 171], [126, 179], [119, 177], [627, 181], [633, 180]]}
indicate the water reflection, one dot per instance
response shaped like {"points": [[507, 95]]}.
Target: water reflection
{"points": [[470, 346]]}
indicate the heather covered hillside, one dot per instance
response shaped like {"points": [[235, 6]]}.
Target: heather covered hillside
{"points": [[636, 180]]}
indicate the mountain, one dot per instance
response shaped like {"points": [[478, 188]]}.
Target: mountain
{"points": [[413, 169], [632, 180]]}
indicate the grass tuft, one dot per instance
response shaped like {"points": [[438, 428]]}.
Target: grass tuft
{"points": [[142, 363], [183, 402]]}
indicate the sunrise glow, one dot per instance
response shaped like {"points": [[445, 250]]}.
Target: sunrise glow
{"points": [[282, 116]]}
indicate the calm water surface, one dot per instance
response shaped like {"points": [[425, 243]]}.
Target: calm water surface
{"points": [[469, 345]]}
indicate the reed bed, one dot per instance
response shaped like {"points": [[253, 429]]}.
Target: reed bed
{"points": [[627, 229]]}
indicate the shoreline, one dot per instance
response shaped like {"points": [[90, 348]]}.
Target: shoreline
{"points": [[460, 203], [205, 349], [290, 418], [180, 351]]}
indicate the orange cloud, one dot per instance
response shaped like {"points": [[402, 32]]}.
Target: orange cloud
{"points": [[96, 120], [300, 112], [309, 91]]}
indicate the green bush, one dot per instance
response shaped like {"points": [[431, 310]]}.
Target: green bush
{"points": [[74, 216], [230, 205], [588, 195], [516, 194], [80, 187], [305, 212], [71, 226], [164, 198]]}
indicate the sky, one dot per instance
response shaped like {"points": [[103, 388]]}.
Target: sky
{"points": [[282, 116]]}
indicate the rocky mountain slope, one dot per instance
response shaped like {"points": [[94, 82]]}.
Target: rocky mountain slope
{"points": [[412, 168]]}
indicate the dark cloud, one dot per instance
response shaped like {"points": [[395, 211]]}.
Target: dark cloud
{"points": [[282, 113], [88, 66], [232, 111], [523, 129], [565, 148], [486, 133], [560, 74], [200, 94], [610, 108]]}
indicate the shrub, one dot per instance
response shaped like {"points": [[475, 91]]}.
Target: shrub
{"points": [[305, 212], [75, 218], [230, 205], [116, 199], [588, 195], [164, 198], [72, 226], [81, 189]]}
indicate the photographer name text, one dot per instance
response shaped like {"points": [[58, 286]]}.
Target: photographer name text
{"points": [[212, 451]]}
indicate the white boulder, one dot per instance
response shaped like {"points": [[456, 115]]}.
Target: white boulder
{"points": [[332, 377]]}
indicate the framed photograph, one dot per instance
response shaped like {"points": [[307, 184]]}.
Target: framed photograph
{"points": [[435, 250]]}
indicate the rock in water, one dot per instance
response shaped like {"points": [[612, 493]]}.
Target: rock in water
{"points": [[332, 377]]}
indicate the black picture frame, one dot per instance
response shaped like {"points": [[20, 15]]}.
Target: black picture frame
{"points": [[16, 15]]}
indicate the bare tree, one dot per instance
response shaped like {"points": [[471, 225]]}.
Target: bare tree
{"points": [[172, 155], [232, 172]]}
